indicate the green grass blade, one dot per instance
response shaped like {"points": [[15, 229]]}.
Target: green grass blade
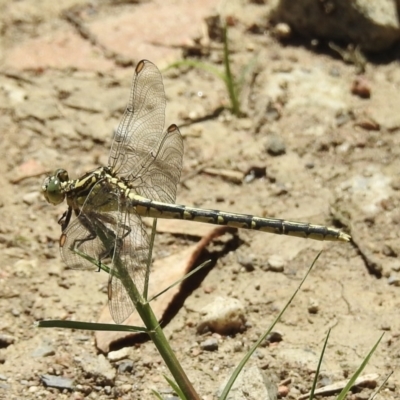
{"points": [[158, 395], [244, 72], [380, 387], [175, 388], [181, 280], [95, 262], [242, 363], [350, 383], [319, 365], [230, 83], [89, 326]]}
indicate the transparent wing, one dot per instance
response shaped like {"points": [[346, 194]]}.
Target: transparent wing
{"points": [[160, 170], [109, 237], [143, 121], [148, 159], [132, 255], [92, 234]]}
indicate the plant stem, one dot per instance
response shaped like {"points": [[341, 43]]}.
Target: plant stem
{"points": [[160, 341], [155, 332], [229, 79]]}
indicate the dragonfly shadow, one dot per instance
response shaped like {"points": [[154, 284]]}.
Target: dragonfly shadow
{"points": [[217, 249]]}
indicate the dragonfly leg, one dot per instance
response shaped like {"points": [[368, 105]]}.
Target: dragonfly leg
{"points": [[65, 218]]}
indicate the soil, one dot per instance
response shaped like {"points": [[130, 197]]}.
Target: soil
{"points": [[330, 150]]}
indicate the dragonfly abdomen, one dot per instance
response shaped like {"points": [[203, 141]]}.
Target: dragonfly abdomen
{"points": [[154, 209]]}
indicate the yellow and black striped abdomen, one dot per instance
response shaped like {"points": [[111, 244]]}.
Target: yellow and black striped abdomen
{"points": [[156, 209]]}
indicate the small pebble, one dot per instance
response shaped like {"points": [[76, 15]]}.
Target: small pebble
{"points": [[396, 267], [313, 306], [58, 382], [126, 388], [237, 346], [275, 146], [125, 366], [276, 263], [247, 262], [283, 391], [343, 117], [361, 87], [225, 315], [282, 31], [15, 312], [209, 344], [119, 354], [388, 251], [310, 165], [394, 280], [6, 340], [274, 337], [44, 351]]}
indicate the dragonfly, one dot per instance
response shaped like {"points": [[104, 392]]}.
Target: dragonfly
{"points": [[141, 179]]}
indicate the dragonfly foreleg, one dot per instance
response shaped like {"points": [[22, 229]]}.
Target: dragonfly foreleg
{"points": [[65, 218]]}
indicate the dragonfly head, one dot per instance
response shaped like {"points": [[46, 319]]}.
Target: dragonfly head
{"points": [[53, 187]]}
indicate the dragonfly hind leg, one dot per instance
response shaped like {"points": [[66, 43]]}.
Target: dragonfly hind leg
{"points": [[95, 231], [96, 228]]}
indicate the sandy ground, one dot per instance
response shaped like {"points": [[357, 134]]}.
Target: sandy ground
{"points": [[331, 157]]}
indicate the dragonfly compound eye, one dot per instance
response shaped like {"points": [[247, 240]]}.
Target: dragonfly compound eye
{"points": [[52, 188]]}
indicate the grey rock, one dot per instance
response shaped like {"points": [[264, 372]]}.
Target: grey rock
{"points": [[223, 315], [99, 368], [58, 382], [44, 350]]}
